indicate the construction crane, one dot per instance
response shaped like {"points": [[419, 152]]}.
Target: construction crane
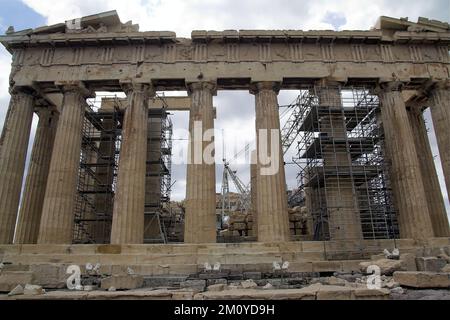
{"points": [[243, 190], [289, 134]]}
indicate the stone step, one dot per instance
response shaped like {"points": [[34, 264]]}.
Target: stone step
{"points": [[313, 292], [252, 257], [236, 248], [10, 279]]}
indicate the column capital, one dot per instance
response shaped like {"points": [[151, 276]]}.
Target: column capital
{"points": [[256, 87], [75, 87], [21, 90], [202, 85], [138, 87], [389, 86]]}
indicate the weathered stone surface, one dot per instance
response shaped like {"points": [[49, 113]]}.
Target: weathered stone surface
{"points": [[163, 281], [422, 279], [18, 290], [212, 275], [217, 287], [446, 268], [252, 275], [10, 279], [432, 264], [334, 281], [387, 266], [317, 291], [216, 281], [198, 285], [49, 276], [248, 284], [121, 282], [33, 290], [254, 294], [268, 286]]}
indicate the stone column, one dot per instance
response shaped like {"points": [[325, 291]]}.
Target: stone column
{"points": [[435, 201], [57, 219], [440, 113], [13, 150], [273, 220], [128, 212], [344, 220], [38, 169], [200, 218], [408, 189]]}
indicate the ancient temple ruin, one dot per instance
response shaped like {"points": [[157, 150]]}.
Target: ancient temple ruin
{"points": [[99, 173]]}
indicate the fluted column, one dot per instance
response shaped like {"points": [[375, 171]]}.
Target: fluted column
{"points": [[13, 150], [38, 169], [440, 113], [273, 220], [128, 211], [57, 219], [344, 221], [435, 201], [408, 189], [200, 219]]}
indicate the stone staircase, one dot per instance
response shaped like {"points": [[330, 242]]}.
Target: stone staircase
{"points": [[46, 265]]}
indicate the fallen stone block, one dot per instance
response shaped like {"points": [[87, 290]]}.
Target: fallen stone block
{"points": [[49, 276], [252, 275], [10, 279], [387, 266], [217, 287], [197, 285], [326, 292], [211, 282], [255, 294], [432, 264], [268, 286], [248, 284], [422, 279], [212, 275], [33, 290], [398, 290], [370, 294], [122, 282], [18, 290]]}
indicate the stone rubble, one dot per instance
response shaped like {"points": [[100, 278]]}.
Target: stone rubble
{"points": [[33, 290], [18, 290]]}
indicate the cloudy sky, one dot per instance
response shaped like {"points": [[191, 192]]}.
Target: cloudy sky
{"points": [[235, 110]]}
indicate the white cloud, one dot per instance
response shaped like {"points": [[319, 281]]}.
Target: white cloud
{"points": [[183, 16]]}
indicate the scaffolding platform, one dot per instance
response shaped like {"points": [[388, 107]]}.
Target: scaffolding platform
{"points": [[359, 174], [341, 156], [325, 144], [353, 116]]}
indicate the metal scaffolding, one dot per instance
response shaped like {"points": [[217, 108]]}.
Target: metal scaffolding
{"points": [[343, 168], [100, 148], [97, 175]]}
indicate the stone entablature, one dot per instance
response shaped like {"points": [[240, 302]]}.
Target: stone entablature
{"points": [[233, 58]]}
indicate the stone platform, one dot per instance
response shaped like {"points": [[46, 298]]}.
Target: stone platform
{"points": [[46, 265]]}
